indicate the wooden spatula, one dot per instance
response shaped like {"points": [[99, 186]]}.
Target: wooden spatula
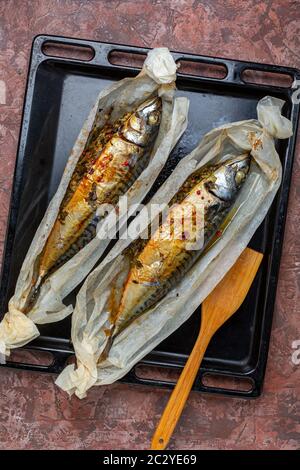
{"points": [[220, 305]]}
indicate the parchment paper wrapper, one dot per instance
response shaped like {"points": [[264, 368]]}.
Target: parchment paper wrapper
{"points": [[157, 76], [146, 332]]}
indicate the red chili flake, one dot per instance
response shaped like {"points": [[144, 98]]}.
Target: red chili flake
{"points": [[198, 192], [126, 163], [219, 233]]}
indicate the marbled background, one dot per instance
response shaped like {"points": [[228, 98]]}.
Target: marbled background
{"points": [[33, 412]]}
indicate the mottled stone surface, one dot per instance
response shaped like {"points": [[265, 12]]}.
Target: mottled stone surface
{"points": [[33, 412]]}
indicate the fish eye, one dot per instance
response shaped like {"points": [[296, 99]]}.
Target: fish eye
{"points": [[239, 177]]}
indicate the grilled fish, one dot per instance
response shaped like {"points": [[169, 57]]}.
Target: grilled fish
{"points": [[159, 263], [111, 161]]}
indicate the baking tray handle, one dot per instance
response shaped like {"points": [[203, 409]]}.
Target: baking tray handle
{"points": [[253, 391], [101, 53], [58, 363], [100, 56]]}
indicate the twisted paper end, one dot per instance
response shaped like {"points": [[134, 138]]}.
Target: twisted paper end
{"points": [[16, 330], [270, 117], [160, 65], [77, 381]]}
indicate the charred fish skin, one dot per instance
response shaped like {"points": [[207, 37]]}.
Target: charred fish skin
{"points": [[166, 257], [110, 164]]}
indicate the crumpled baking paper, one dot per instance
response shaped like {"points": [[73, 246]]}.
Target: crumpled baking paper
{"points": [[157, 76], [147, 331]]}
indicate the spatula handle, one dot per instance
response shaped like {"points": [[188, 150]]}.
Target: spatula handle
{"points": [[179, 395]]}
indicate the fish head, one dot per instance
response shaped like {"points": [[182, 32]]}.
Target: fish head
{"points": [[142, 126], [226, 181]]}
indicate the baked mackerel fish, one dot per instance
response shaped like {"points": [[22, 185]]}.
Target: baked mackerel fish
{"points": [[156, 265], [111, 161]]}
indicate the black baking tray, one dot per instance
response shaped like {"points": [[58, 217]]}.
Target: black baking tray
{"points": [[60, 93]]}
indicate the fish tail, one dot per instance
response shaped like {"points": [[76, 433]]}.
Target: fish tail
{"points": [[33, 294]]}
